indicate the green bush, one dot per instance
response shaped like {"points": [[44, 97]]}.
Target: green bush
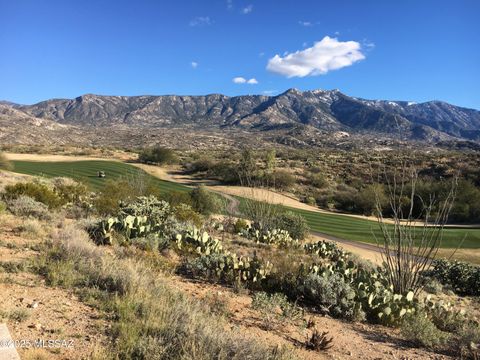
{"points": [[280, 179], [467, 204], [121, 190], [366, 199], [185, 214], [295, 224], [421, 331], [344, 198], [331, 294], [463, 277], [204, 201], [240, 226], [158, 155], [38, 192], [175, 198], [70, 191]]}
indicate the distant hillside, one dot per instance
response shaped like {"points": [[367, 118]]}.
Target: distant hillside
{"points": [[328, 111]]}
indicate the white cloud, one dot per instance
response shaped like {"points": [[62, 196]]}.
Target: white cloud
{"points": [[305, 23], [200, 21], [239, 80], [324, 56], [242, 80], [194, 64], [229, 4], [247, 9]]}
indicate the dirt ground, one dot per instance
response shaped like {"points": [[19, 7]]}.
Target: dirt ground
{"points": [[34, 311], [350, 340]]}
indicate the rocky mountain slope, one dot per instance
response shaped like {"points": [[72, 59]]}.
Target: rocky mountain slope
{"points": [[328, 111]]}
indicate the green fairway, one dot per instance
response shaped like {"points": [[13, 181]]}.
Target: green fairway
{"points": [[347, 227], [86, 171]]}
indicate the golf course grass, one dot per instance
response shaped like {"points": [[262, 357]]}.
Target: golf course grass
{"points": [[350, 228], [86, 171], [343, 227]]}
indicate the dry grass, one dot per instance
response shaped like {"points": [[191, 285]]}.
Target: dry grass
{"points": [[151, 319]]}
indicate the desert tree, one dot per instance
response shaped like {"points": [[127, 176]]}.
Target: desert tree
{"points": [[410, 238]]}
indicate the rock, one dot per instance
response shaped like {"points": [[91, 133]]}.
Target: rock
{"points": [[33, 305], [37, 326]]}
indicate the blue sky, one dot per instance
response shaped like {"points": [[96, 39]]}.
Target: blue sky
{"points": [[400, 50]]}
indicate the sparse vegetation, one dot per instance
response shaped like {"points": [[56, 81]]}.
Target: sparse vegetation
{"points": [[158, 155], [154, 235]]}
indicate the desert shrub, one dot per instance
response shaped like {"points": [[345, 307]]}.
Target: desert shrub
{"points": [[17, 315], [280, 179], [366, 199], [445, 317], [69, 190], [330, 294], [421, 331], [468, 343], [200, 165], [275, 308], [26, 206], [463, 277], [12, 267], [4, 163], [158, 155], [295, 224], [317, 180], [226, 172], [73, 260], [112, 194], [185, 214], [38, 192], [204, 201], [3, 207], [467, 204], [240, 226], [151, 242], [344, 198], [31, 228], [433, 286], [175, 198]]}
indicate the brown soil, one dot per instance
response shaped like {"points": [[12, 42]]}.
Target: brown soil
{"points": [[350, 340], [45, 313]]}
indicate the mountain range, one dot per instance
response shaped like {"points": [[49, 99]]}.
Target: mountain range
{"points": [[327, 110]]}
